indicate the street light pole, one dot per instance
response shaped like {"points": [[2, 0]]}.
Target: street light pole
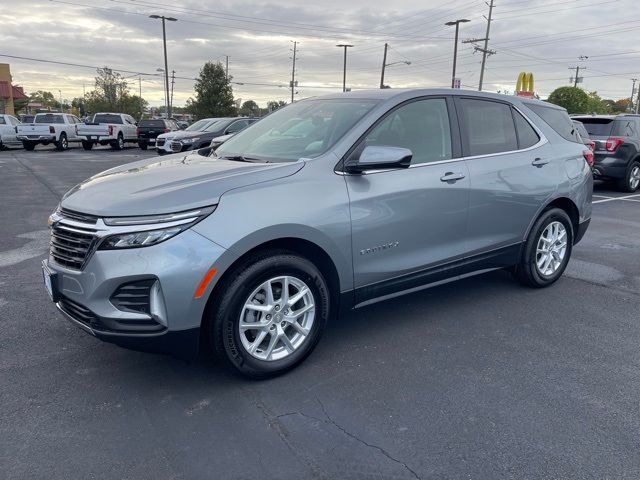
{"points": [[166, 66], [344, 66], [384, 64], [455, 46]]}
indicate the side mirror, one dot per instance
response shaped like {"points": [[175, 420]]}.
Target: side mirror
{"points": [[380, 158]]}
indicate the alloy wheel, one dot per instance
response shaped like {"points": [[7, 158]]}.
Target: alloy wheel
{"points": [[277, 318], [634, 177], [551, 249]]}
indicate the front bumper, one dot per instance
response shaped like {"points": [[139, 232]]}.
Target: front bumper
{"points": [[176, 267]]}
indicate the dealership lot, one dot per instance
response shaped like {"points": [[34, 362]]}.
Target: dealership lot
{"points": [[482, 378]]}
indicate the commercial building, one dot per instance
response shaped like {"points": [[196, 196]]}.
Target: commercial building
{"points": [[9, 93]]}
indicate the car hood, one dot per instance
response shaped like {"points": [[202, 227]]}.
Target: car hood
{"points": [[182, 135], [168, 135], [170, 184]]}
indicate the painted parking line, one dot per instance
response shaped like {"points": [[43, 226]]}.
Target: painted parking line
{"points": [[611, 199]]}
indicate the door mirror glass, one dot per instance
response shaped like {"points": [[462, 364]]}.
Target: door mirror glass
{"points": [[380, 158]]}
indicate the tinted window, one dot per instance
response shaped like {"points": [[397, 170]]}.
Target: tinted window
{"points": [[199, 125], [558, 120], [581, 130], [421, 126], [624, 128], [49, 118], [489, 127], [2, 121], [107, 118], [527, 136], [152, 123], [237, 126]]}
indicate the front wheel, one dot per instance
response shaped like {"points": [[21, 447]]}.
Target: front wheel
{"points": [[631, 180], [270, 315], [547, 249]]}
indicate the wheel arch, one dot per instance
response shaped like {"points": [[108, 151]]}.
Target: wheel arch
{"points": [[563, 203]]}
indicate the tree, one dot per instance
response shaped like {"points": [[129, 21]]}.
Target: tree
{"points": [[214, 96], [46, 98], [574, 99], [111, 94], [249, 109], [275, 104], [595, 104]]}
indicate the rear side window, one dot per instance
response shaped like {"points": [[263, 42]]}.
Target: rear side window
{"points": [[488, 127], [49, 118], [624, 128], [421, 126], [151, 123], [2, 121], [558, 120], [106, 118], [527, 136]]}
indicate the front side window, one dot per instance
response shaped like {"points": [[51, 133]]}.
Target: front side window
{"points": [[304, 129], [488, 127], [237, 126], [2, 121], [421, 126]]}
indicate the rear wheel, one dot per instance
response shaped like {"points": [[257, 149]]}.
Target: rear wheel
{"points": [[87, 145], [547, 249], [118, 143], [270, 315], [631, 180], [29, 146], [62, 143]]}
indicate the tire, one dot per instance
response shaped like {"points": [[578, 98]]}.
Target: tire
{"points": [[29, 146], [63, 143], [118, 143], [631, 181], [528, 270], [232, 346], [87, 145], [142, 145]]}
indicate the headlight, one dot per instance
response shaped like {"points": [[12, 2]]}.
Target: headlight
{"points": [[150, 229], [140, 239]]}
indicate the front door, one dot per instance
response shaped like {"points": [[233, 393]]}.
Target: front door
{"points": [[408, 225]]}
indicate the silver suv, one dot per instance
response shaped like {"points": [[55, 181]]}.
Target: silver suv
{"points": [[330, 203]]}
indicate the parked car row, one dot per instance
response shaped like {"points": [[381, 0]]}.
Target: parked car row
{"points": [[116, 130]]}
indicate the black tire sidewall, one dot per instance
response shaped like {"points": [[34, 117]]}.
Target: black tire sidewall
{"points": [[535, 277], [62, 143], [226, 333], [626, 186]]}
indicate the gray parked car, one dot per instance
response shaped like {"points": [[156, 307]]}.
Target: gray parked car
{"points": [[330, 203]]}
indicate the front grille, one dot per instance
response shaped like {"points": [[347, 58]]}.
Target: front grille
{"points": [[80, 313], [176, 147], [78, 217], [160, 142], [71, 246], [134, 296]]}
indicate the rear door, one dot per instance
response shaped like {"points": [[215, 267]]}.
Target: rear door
{"points": [[408, 225], [512, 173]]}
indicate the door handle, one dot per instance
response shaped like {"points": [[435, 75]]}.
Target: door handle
{"points": [[539, 162], [451, 177]]}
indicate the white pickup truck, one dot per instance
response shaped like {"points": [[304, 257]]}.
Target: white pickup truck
{"points": [[113, 129], [8, 124], [56, 128]]}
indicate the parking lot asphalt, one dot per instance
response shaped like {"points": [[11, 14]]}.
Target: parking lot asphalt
{"points": [[481, 378]]}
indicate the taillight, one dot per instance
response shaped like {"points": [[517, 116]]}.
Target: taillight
{"points": [[592, 146], [166, 130], [137, 132], [51, 129], [588, 157], [110, 130], [613, 143]]}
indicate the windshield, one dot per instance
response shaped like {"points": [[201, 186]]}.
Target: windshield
{"points": [[49, 118], [199, 125], [598, 127], [304, 129], [217, 125], [107, 118]]}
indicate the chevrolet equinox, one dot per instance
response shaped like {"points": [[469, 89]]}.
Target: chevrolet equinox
{"points": [[330, 203]]}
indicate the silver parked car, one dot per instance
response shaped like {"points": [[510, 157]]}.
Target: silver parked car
{"points": [[330, 203]]}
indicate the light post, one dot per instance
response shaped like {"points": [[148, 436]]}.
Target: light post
{"points": [[455, 45], [61, 107], [344, 67], [385, 65], [162, 70], [166, 67]]}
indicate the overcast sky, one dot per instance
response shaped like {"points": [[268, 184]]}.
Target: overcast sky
{"points": [[545, 37]]}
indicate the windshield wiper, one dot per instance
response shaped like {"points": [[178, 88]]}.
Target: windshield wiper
{"points": [[240, 158]]}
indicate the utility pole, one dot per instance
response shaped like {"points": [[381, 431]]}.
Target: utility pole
{"points": [[173, 81], [344, 65], [576, 78], [166, 67], [140, 95], [384, 64], [485, 51], [633, 92], [455, 46], [637, 101], [293, 71], [226, 68]]}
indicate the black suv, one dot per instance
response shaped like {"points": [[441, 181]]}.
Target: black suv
{"points": [[149, 129], [617, 152]]}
